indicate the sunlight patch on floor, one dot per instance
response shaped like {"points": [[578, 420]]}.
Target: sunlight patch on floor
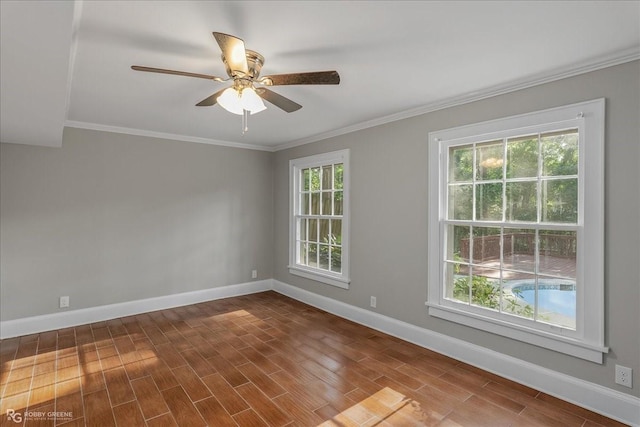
{"points": [[385, 405]]}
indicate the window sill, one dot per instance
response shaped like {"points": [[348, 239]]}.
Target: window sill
{"points": [[339, 282], [565, 345]]}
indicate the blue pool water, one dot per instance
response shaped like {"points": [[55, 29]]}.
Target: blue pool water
{"points": [[551, 298]]}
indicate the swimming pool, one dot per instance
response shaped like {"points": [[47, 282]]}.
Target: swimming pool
{"points": [[553, 296]]}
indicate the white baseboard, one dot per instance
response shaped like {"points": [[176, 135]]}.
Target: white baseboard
{"points": [[611, 403], [66, 319]]}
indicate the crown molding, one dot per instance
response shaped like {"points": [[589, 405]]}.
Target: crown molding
{"points": [[599, 63], [602, 62], [163, 135]]}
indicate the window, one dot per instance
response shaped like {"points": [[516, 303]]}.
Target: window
{"points": [[517, 225], [319, 222]]}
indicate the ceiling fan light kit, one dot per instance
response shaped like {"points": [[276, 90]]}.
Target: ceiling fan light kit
{"points": [[236, 100], [243, 66]]}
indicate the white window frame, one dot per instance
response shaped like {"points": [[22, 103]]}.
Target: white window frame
{"points": [[340, 280], [587, 340]]}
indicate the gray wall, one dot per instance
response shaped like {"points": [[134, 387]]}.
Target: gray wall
{"points": [[110, 218], [389, 216]]}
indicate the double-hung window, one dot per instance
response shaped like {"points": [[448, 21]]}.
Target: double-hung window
{"points": [[516, 227], [319, 218]]}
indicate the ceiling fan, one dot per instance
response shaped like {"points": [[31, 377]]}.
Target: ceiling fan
{"points": [[243, 67]]}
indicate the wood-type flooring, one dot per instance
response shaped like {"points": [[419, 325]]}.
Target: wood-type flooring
{"points": [[256, 360]]}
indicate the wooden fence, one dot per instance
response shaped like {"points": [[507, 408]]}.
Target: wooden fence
{"points": [[488, 247]]}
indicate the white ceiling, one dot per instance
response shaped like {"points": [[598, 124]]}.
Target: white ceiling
{"points": [[68, 63]]}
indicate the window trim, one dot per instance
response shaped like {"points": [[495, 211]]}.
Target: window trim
{"points": [[340, 280], [587, 342]]}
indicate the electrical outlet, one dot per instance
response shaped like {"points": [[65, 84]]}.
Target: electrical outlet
{"points": [[374, 302], [624, 376], [64, 302], [254, 274]]}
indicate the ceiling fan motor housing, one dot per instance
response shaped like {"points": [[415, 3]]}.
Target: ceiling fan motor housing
{"points": [[255, 61]]}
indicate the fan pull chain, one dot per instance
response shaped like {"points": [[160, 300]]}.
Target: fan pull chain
{"points": [[245, 121]]}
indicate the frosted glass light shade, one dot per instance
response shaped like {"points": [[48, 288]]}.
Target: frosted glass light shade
{"points": [[230, 101], [251, 101], [235, 102]]}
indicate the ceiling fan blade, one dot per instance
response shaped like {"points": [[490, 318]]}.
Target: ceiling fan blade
{"points": [[177, 73], [233, 51], [207, 102], [312, 78], [278, 100]]}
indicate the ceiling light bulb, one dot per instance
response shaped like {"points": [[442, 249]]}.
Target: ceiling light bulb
{"points": [[230, 101], [251, 101]]}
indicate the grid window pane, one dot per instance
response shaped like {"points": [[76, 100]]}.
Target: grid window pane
{"points": [[559, 153], [313, 255], [489, 160], [302, 228], [458, 243], [338, 173], [313, 230], [513, 296], [460, 202], [324, 256], [305, 201], [558, 253], [560, 200], [306, 177], [336, 259], [489, 202], [327, 178], [337, 203], [326, 202], [522, 157], [315, 179], [324, 231], [336, 231], [457, 282], [522, 200], [518, 251], [556, 301], [486, 246], [315, 203], [485, 288], [303, 253], [460, 164]]}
